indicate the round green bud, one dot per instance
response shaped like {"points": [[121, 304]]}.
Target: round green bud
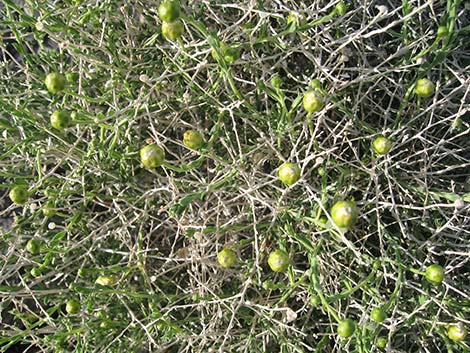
{"points": [[316, 84], [321, 171], [152, 156], [35, 272], [72, 77], [322, 222], [72, 307], [227, 258], [424, 88], [457, 333], [378, 315], [105, 325], [315, 300], [457, 124], [48, 209], [169, 11], [313, 101], [382, 145], [278, 260], [340, 8], [105, 281], [289, 173], [344, 214], [229, 53], [33, 246], [173, 30], [382, 342], [193, 139], [434, 274], [297, 19], [60, 119], [276, 81], [223, 48], [376, 264], [442, 31], [55, 82], [19, 195], [346, 328]]}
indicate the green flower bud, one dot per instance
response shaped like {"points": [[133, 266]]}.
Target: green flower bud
{"points": [[33, 246], [278, 260], [457, 333], [193, 139], [60, 119], [227, 258], [424, 88], [169, 11], [289, 173], [55, 82], [313, 101], [435, 274], [378, 315], [382, 145], [19, 195], [152, 156], [344, 214], [346, 328], [442, 31], [173, 30], [72, 307], [105, 281]]}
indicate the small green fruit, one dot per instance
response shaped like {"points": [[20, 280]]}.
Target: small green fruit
{"points": [[227, 258], [435, 274], [289, 173], [313, 101], [378, 315], [169, 11], [60, 119], [152, 156], [55, 82], [33, 246], [457, 333], [344, 214], [19, 195], [72, 307], [346, 328], [278, 260], [424, 88], [193, 139], [382, 145], [173, 30]]}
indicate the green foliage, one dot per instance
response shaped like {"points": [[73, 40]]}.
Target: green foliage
{"points": [[117, 247]]}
